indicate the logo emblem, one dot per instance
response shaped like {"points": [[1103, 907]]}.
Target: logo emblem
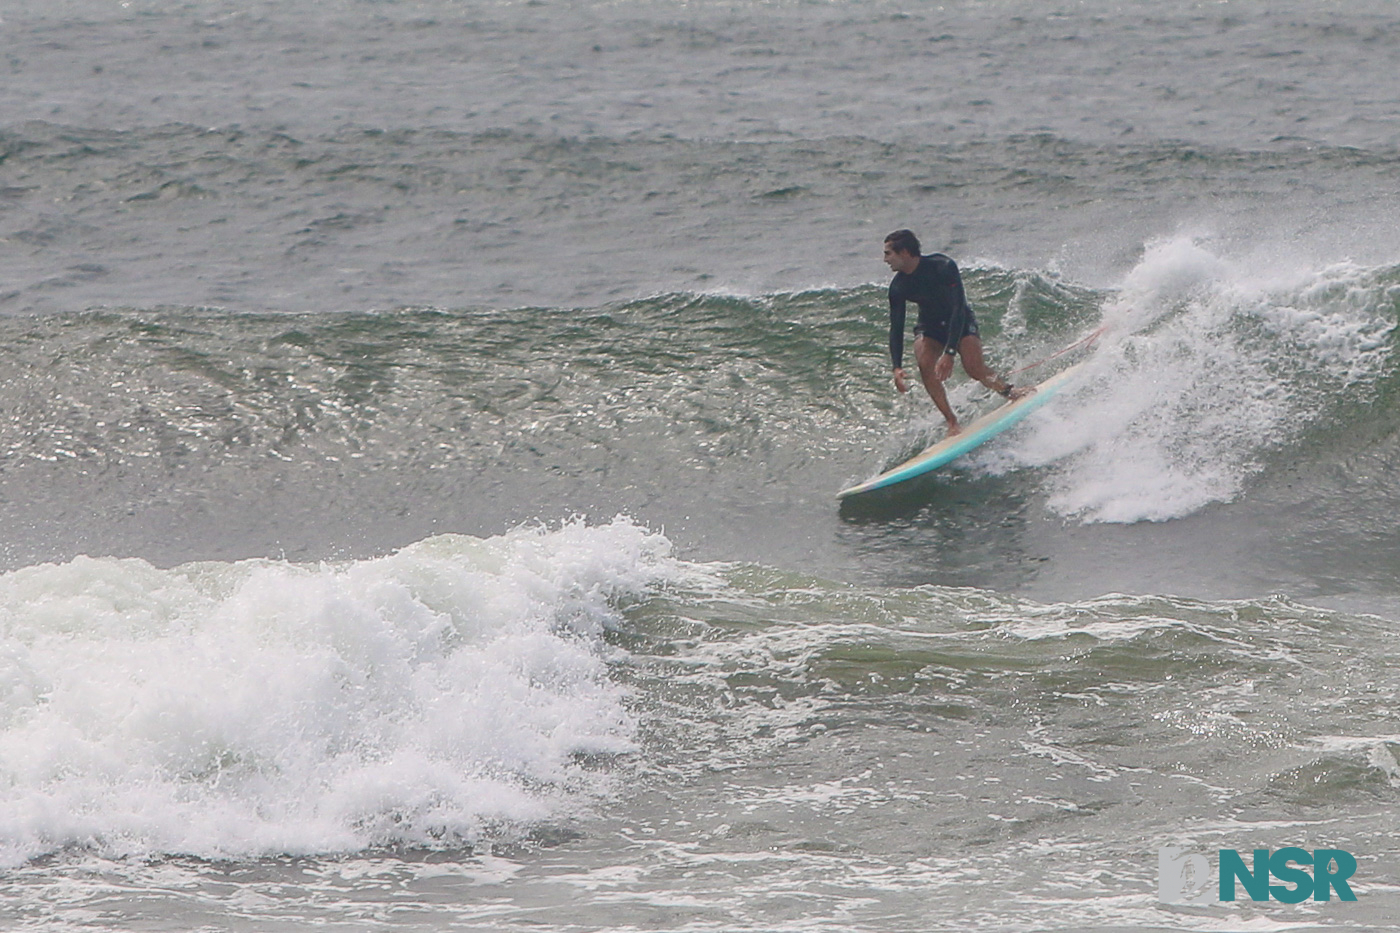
{"points": [[1182, 877]]}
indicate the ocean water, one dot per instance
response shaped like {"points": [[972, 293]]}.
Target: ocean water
{"points": [[420, 425]]}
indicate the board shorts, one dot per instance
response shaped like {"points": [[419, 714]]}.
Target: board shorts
{"points": [[937, 331]]}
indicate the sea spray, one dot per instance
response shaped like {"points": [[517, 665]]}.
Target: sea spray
{"points": [[1207, 368]]}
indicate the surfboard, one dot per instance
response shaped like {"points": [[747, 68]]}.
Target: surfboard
{"points": [[973, 435]]}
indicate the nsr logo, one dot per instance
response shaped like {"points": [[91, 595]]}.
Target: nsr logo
{"points": [[1184, 877]]}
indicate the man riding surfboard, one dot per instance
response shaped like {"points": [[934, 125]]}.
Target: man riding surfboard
{"points": [[946, 326]]}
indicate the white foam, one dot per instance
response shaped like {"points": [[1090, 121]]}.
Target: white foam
{"points": [[1208, 366], [264, 707]]}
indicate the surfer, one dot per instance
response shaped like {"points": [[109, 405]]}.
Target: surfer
{"points": [[946, 328]]}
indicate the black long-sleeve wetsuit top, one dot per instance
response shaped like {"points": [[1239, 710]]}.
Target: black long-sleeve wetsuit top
{"points": [[937, 288]]}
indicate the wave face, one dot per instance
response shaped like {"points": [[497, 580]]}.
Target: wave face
{"points": [[450, 694], [1260, 388]]}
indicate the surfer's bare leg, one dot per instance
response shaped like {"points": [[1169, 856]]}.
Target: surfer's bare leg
{"points": [[970, 348], [926, 352]]}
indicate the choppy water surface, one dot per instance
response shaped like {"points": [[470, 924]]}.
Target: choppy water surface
{"points": [[421, 425]]}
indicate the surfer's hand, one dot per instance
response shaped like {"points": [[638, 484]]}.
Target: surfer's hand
{"points": [[899, 381], [944, 367]]}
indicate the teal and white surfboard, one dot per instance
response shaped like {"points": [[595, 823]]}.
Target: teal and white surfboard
{"points": [[973, 435]]}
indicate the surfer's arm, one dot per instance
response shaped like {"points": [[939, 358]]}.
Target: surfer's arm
{"points": [[897, 304], [958, 311]]}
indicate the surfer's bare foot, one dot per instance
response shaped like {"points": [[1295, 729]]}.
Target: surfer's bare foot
{"points": [[954, 429], [1018, 392]]}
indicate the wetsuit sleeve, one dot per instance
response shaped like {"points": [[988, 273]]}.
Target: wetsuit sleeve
{"points": [[896, 328], [960, 312]]}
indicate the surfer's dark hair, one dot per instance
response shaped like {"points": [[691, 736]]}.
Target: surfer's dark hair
{"points": [[903, 241]]}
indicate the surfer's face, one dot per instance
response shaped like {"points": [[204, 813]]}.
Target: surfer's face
{"points": [[898, 261]]}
